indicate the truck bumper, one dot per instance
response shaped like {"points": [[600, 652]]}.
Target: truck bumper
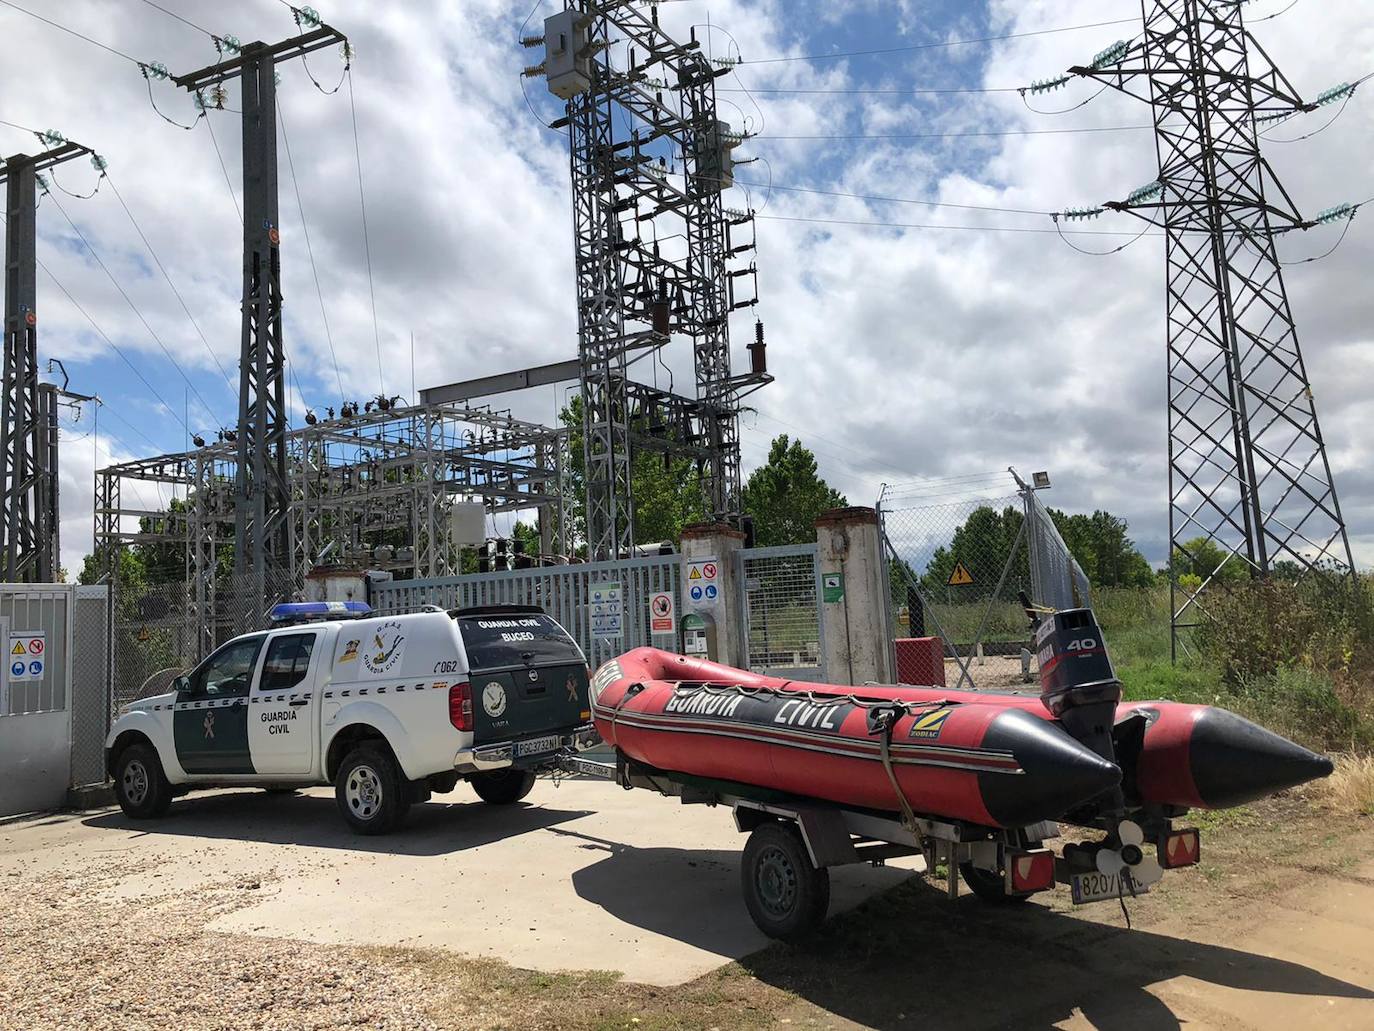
{"points": [[502, 755]]}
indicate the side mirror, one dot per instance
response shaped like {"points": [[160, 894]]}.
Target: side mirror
{"points": [[182, 684]]}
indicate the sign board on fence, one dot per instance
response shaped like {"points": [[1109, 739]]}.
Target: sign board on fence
{"points": [[961, 577], [662, 617], [832, 587], [608, 613], [703, 581], [27, 654]]}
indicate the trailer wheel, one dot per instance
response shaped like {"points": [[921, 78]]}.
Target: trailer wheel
{"points": [[784, 893], [987, 885]]}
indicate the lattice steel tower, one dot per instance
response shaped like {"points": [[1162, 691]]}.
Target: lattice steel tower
{"points": [[1247, 466], [650, 157]]}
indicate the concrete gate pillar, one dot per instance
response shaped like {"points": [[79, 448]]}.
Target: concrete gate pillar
{"points": [[711, 548], [854, 585]]}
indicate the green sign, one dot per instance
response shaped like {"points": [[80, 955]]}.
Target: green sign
{"points": [[692, 621], [832, 587]]}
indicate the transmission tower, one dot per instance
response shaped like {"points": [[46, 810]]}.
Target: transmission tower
{"points": [[650, 158], [1248, 470], [262, 538], [28, 413]]}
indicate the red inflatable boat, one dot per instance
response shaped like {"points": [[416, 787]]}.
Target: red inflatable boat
{"points": [[986, 759]]}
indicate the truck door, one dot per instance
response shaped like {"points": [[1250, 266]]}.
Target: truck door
{"points": [[210, 721], [281, 717]]}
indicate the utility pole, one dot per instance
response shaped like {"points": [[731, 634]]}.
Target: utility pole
{"points": [[1248, 470], [262, 537], [650, 158], [28, 436]]}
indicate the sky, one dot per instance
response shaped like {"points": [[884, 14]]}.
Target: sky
{"points": [[900, 354]]}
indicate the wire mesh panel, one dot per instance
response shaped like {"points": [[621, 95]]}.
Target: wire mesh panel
{"points": [[564, 592], [90, 684], [782, 615], [1057, 580]]}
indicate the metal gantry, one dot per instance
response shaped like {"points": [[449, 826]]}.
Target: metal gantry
{"points": [[650, 157], [262, 493], [375, 489], [28, 409], [1248, 471]]}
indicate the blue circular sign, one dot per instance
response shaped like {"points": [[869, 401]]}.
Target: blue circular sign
{"points": [[35, 667], [710, 590], [17, 669], [696, 596]]}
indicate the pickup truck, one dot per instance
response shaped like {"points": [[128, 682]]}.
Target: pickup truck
{"points": [[387, 709]]}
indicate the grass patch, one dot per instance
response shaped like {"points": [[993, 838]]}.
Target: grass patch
{"points": [[1350, 790]]}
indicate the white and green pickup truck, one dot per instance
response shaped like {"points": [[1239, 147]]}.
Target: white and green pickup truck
{"points": [[386, 709]]}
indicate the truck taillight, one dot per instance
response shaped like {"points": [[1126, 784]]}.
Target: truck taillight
{"points": [[460, 706]]}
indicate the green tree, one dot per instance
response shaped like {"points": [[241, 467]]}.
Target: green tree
{"points": [[1100, 544], [786, 494], [1202, 557]]}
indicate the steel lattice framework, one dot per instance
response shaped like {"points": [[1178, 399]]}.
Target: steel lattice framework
{"points": [[28, 410], [649, 157], [1248, 470]]}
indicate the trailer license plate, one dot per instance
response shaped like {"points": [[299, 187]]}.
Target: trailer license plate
{"points": [[537, 746], [1096, 887]]}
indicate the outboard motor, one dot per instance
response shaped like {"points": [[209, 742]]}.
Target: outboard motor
{"points": [[1077, 683]]}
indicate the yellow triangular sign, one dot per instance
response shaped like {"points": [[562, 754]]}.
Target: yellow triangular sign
{"points": [[961, 577], [695, 574], [18, 648]]}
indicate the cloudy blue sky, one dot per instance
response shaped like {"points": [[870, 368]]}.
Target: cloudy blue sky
{"points": [[901, 353]]}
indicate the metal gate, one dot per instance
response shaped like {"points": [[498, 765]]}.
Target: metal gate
{"points": [[564, 592], [781, 611]]}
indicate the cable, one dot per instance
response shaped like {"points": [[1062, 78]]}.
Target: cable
{"points": [[905, 91], [21, 128], [81, 236], [310, 250], [1298, 139], [897, 200], [1339, 240], [1114, 250], [165, 117], [1270, 17], [184, 21], [71, 32], [367, 246], [180, 300], [523, 92], [1065, 110], [945, 43], [961, 135], [915, 225], [225, 169], [52, 173]]}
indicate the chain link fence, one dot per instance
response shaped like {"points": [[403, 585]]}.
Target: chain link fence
{"points": [[160, 630], [782, 612]]}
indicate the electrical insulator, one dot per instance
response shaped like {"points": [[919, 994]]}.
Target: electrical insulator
{"points": [[1114, 54], [52, 138], [156, 70], [758, 352], [1081, 214], [1049, 85], [308, 15], [1144, 193], [1335, 93], [99, 163], [1335, 213]]}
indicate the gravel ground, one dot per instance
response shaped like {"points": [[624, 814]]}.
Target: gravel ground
{"points": [[73, 955]]}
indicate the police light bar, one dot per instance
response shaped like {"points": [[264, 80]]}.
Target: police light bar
{"points": [[304, 611]]}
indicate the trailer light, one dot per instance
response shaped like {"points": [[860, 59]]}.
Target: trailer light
{"points": [[1030, 871], [1180, 848], [460, 707]]}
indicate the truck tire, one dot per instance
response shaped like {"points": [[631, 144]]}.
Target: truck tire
{"points": [[786, 896], [503, 787], [139, 783], [370, 791], [987, 885]]}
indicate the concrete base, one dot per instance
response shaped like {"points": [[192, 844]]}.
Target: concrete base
{"points": [[583, 876], [90, 796]]}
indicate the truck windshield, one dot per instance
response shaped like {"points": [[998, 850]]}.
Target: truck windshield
{"points": [[516, 639]]}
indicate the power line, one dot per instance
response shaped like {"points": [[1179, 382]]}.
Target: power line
{"points": [[151, 332], [184, 21], [934, 46], [903, 91], [310, 250], [367, 246], [898, 200], [71, 32], [224, 168], [960, 135], [180, 300], [937, 225]]}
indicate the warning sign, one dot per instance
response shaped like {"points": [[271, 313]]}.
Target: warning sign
{"points": [[662, 618], [702, 584], [961, 577], [607, 610], [26, 650]]}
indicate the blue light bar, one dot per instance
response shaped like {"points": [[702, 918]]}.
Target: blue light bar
{"points": [[303, 611]]}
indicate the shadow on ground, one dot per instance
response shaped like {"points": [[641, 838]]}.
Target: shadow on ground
{"points": [[910, 957], [432, 828]]}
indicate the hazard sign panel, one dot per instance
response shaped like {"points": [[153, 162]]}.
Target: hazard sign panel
{"points": [[27, 655], [960, 577]]}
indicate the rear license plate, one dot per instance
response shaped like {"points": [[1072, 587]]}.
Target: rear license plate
{"points": [[1097, 887], [537, 745]]}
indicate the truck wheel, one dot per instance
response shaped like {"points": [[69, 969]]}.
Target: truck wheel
{"points": [[988, 885], [503, 787], [784, 893], [139, 783], [370, 791]]}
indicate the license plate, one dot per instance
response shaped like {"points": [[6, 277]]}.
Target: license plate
{"points": [[1097, 887], [537, 745]]}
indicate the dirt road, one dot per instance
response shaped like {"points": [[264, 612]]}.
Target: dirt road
{"points": [[108, 924]]}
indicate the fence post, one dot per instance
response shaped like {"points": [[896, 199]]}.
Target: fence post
{"points": [[854, 585], [715, 545]]}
